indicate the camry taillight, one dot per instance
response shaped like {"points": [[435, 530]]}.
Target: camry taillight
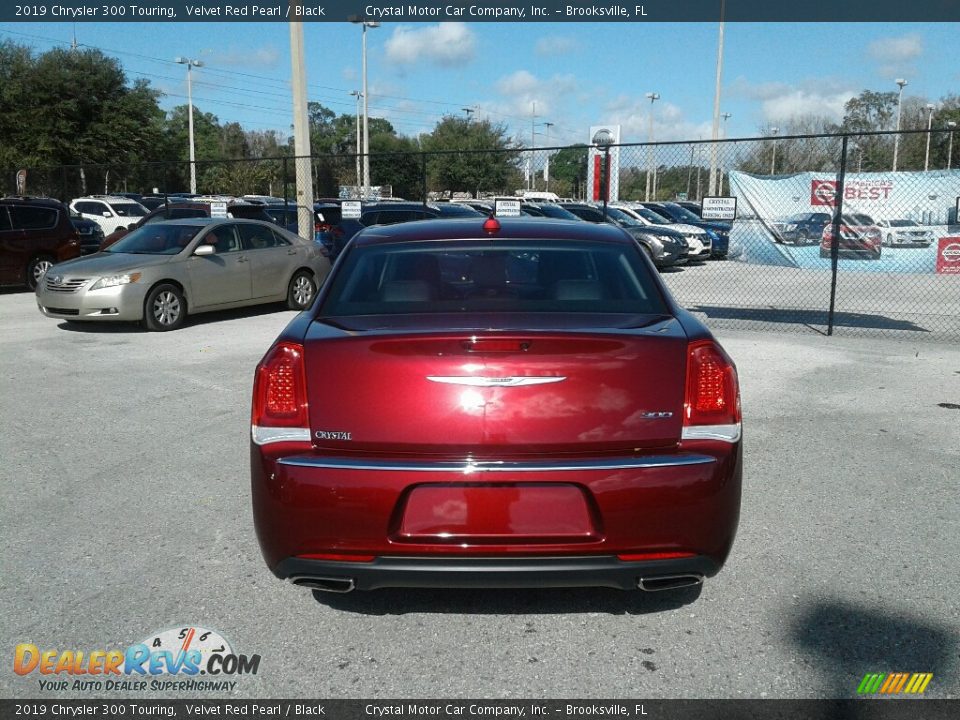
{"points": [[711, 408], [280, 412]]}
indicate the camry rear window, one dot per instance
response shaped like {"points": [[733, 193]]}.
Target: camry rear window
{"points": [[561, 276]]}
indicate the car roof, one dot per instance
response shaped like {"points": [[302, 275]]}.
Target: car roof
{"points": [[213, 221], [510, 228], [32, 200]]}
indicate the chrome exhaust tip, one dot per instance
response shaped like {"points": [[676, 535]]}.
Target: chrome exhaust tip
{"points": [[668, 582], [326, 584]]}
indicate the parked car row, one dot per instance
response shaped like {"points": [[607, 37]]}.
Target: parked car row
{"points": [[860, 234]]}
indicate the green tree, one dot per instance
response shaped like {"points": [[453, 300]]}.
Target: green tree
{"points": [[469, 171], [568, 171]]}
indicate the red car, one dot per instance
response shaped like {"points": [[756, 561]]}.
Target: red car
{"points": [[495, 403], [859, 237]]}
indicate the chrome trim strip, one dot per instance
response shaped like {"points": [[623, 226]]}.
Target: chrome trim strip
{"points": [[267, 435], [725, 433], [468, 467], [473, 381]]}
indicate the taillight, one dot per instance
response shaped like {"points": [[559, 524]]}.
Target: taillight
{"points": [[711, 407], [280, 412]]}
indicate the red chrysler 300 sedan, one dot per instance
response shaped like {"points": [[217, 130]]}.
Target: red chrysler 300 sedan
{"points": [[495, 403]]}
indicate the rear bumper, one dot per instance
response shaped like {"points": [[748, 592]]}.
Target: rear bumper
{"points": [[511, 523], [529, 572]]}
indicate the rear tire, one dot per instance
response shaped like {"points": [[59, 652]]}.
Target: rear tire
{"points": [[301, 291], [36, 269], [165, 308]]}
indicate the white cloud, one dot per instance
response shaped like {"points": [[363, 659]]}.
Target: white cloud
{"points": [[554, 45], [525, 92], [445, 44], [895, 49], [632, 113], [780, 102]]}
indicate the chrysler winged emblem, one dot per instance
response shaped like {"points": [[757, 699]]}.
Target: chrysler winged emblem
{"points": [[474, 381]]}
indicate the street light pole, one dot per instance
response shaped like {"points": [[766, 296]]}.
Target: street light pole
{"points": [[950, 126], [193, 160], [725, 116], [773, 156], [652, 97], [366, 96], [926, 158], [896, 138], [358, 95], [712, 184]]}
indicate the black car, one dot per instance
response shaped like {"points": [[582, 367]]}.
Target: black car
{"points": [[89, 232], [388, 212], [720, 230], [804, 228], [665, 247]]}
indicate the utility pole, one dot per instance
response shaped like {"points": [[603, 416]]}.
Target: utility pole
{"points": [[546, 166], [950, 126], [725, 116], [773, 156], [301, 130], [926, 159], [651, 168], [531, 184]]}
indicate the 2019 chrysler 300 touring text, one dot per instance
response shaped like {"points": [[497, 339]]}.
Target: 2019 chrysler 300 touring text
{"points": [[495, 403]]}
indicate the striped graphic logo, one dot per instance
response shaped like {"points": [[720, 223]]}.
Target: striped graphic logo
{"points": [[894, 683]]}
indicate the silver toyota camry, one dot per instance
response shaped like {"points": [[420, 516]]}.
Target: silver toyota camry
{"points": [[159, 273]]}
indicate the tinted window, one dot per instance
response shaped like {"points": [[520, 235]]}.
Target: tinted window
{"points": [[517, 276], [223, 238], [456, 210], [681, 214], [4, 219], [257, 237], [156, 239], [33, 218], [585, 213], [249, 212], [91, 208]]}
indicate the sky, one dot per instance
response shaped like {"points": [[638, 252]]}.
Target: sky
{"points": [[572, 75]]}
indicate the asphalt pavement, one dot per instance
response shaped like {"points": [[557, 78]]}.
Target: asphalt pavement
{"points": [[126, 511]]}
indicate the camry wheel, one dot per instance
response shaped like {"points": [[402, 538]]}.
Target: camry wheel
{"points": [[165, 308], [302, 290], [36, 270]]}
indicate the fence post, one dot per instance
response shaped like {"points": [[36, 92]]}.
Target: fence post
{"points": [[286, 202], [605, 180], [835, 232]]}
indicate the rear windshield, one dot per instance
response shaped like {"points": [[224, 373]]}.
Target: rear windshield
{"points": [[156, 239], [554, 276]]}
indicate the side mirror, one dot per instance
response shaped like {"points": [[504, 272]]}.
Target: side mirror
{"points": [[205, 250]]}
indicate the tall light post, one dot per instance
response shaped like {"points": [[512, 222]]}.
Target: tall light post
{"points": [[950, 126], [896, 138], [773, 155], [469, 112], [366, 96], [926, 157], [193, 159], [712, 184], [546, 165], [652, 97], [723, 135], [358, 95]]}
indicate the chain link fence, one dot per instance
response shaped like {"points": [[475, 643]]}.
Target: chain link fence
{"points": [[829, 235]]}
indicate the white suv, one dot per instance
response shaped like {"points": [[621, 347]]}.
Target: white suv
{"points": [[108, 211]]}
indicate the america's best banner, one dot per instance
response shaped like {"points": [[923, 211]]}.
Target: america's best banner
{"points": [[913, 211]]}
